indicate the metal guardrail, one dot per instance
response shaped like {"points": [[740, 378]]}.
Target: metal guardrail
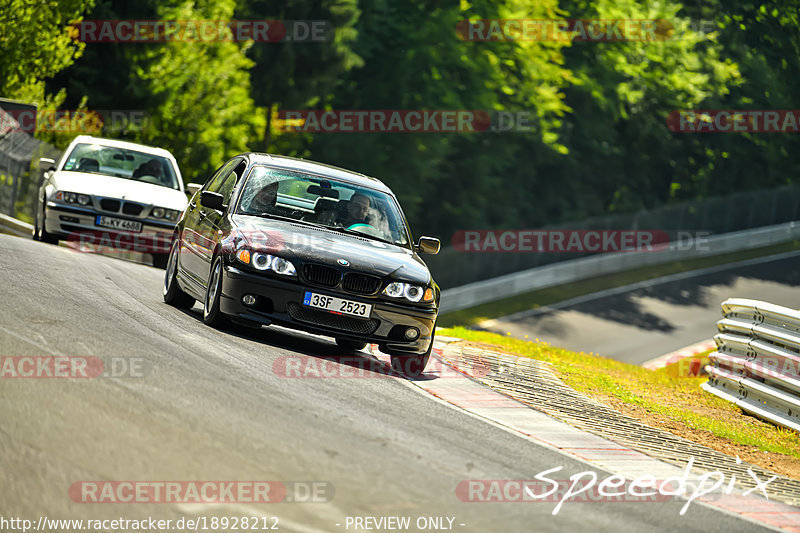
{"points": [[757, 361], [15, 227], [511, 285]]}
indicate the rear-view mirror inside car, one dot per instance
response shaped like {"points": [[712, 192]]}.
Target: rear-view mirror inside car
{"points": [[327, 192]]}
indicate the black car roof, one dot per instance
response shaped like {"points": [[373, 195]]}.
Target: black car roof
{"points": [[312, 167]]}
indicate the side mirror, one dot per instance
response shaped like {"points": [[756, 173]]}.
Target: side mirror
{"points": [[212, 200], [428, 245], [45, 164], [192, 188]]}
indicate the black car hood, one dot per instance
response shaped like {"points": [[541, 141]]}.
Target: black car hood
{"points": [[310, 244]]}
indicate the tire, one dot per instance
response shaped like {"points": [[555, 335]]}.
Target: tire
{"points": [[36, 225], [212, 316], [173, 294], [160, 260], [40, 234], [412, 365], [350, 344]]}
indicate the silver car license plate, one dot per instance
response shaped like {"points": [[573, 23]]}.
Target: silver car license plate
{"points": [[119, 224], [335, 305]]}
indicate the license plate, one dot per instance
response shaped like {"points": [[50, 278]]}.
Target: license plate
{"points": [[119, 223], [335, 305]]}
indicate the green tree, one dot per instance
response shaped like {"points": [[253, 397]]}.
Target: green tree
{"points": [[622, 156], [296, 75], [202, 109], [37, 43], [195, 92], [414, 58]]}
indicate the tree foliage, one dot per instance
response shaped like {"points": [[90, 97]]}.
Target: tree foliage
{"points": [[37, 42], [599, 141]]}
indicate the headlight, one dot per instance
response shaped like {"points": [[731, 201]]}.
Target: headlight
{"points": [[262, 261], [162, 212], [395, 290], [283, 267], [412, 293], [73, 198]]}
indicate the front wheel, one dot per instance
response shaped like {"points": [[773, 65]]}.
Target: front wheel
{"points": [[160, 260], [412, 365], [212, 316], [40, 233], [173, 294]]}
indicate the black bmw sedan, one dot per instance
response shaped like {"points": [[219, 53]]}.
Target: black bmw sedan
{"points": [[272, 239]]}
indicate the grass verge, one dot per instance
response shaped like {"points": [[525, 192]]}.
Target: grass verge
{"points": [[662, 398], [551, 295]]}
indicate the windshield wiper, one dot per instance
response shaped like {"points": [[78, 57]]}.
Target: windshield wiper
{"points": [[287, 219], [358, 234], [272, 215]]}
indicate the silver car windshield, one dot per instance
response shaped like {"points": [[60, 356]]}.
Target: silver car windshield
{"points": [[122, 163], [323, 201]]}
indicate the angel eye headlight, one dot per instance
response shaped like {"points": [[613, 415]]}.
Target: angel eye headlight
{"points": [[413, 293], [283, 267], [395, 290], [262, 261]]}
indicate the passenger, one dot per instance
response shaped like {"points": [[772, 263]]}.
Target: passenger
{"points": [[150, 168]]}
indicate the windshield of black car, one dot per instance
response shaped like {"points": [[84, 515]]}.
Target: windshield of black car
{"points": [[122, 163], [323, 201]]}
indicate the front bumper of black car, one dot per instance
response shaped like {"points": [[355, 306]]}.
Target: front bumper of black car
{"points": [[280, 301]]}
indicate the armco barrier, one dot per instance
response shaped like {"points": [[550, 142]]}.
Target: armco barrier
{"points": [[14, 226], [563, 272], [757, 361]]}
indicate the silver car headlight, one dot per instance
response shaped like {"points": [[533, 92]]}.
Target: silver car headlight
{"points": [[73, 197], [163, 212]]}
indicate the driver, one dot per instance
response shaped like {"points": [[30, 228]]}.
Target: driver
{"points": [[357, 211], [150, 168]]}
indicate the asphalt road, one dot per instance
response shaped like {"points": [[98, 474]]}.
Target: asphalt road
{"points": [[207, 405], [639, 323]]}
